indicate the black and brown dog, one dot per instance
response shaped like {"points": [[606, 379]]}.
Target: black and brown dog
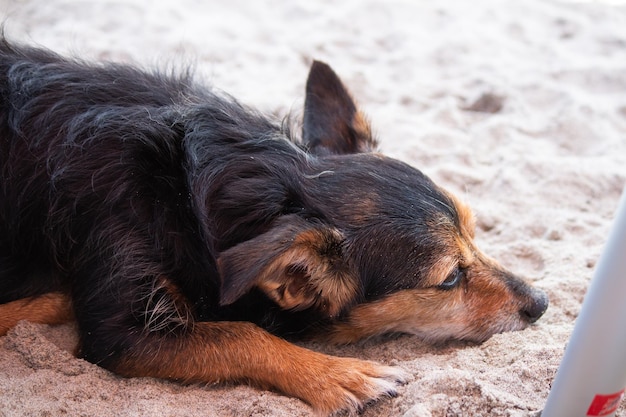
{"points": [[186, 232]]}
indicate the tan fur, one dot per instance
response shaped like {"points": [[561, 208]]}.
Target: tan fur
{"points": [[328, 287], [363, 130], [52, 308], [466, 216], [248, 353], [441, 270]]}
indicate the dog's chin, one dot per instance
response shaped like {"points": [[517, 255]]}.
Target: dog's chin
{"points": [[344, 333], [471, 334], [497, 327]]}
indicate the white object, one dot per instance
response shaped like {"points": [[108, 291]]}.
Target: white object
{"points": [[592, 376]]}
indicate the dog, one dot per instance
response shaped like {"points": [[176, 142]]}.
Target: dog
{"points": [[193, 238]]}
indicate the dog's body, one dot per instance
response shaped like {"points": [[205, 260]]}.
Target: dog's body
{"points": [[185, 229]]}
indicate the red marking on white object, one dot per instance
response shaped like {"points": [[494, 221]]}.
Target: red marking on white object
{"points": [[603, 405]]}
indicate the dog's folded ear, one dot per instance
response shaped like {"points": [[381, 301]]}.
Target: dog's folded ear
{"points": [[332, 122], [297, 264]]}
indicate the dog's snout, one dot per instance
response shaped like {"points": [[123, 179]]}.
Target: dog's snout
{"points": [[536, 306]]}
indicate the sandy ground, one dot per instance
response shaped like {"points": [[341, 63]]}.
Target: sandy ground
{"points": [[542, 163]]}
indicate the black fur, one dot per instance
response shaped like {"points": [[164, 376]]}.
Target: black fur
{"points": [[125, 187]]}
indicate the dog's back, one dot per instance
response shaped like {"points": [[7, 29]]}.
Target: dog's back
{"points": [[88, 149], [60, 122]]}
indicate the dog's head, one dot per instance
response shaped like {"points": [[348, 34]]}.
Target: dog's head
{"points": [[372, 243]]}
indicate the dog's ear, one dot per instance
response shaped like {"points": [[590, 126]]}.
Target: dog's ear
{"points": [[332, 122], [296, 264]]}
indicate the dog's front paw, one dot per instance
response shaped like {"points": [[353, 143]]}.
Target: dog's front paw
{"points": [[333, 384]]}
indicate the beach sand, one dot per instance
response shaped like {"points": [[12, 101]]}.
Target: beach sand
{"points": [[517, 107]]}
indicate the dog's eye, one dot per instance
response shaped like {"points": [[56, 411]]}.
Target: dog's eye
{"points": [[454, 279]]}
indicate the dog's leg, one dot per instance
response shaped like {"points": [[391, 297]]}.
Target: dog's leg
{"points": [[239, 351], [51, 308], [134, 320], [152, 333]]}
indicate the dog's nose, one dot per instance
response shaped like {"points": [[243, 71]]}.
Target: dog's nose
{"points": [[537, 305]]}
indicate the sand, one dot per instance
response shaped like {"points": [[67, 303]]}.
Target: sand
{"points": [[518, 107]]}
